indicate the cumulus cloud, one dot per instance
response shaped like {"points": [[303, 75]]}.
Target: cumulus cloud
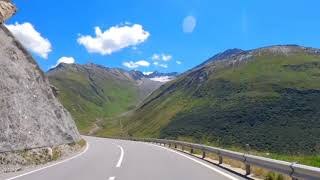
{"points": [[131, 64], [164, 57], [31, 38], [162, 78], [163, 65], [189, 23], [160, 65], [67, 60], [179, 62], [155, 57], [114, 39]]}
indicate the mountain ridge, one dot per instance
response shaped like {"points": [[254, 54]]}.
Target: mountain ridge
{"points": [[241, 99], [94, 92]]}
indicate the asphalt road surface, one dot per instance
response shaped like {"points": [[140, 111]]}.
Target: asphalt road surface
{"points": [[108, 159]]}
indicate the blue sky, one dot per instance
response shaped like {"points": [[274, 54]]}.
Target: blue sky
{"points": [[211, 27]]}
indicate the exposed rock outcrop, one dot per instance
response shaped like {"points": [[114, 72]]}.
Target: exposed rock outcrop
{"points": [[6, 10], [30, 115]]}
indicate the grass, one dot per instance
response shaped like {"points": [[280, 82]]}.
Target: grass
{"points": [[255, 171], [82, 143], [56, 154], [271, 103], [90, 99]]}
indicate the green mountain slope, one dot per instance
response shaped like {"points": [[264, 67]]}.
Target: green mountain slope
{"points": [[93, 93], [268, 98]]}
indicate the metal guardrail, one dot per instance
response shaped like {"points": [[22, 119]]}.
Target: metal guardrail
{"points": [[294, 170]]}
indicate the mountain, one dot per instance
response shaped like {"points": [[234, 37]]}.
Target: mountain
{"points": [[94, 94], [31, 116], [223, 55], [268, 98]]}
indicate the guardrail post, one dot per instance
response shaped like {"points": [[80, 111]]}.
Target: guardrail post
{"points": [[248, 169], [191, 151], [203, 154], [220, 159], [182, 148], [169, 145], [175, 146], [292, 171]]}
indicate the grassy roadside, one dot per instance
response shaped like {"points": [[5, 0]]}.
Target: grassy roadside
{"points": [[306, 159]]}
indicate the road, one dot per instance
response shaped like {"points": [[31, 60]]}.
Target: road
{"points": [[107, 159]]}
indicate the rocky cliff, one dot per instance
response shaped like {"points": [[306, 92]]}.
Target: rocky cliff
{"points": [[6, 10], [30, 115]]}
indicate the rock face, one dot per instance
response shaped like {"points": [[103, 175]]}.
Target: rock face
{"points": [[6, 10], [30, 115]]}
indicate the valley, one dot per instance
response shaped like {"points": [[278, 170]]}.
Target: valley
{"points": [[267, 98], [95, 95]]}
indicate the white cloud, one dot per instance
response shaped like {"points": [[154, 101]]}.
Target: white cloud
{"points": [[160, 65], [179, 62], [131, 64], [114, 39], [66, 60], [163, 65], [162, 78], [31, 38], [189, 23], [155, 57], [147, 73], [166, 57]]}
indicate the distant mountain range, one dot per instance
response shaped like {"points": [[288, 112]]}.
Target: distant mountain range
{"points": [[268, 98], [93, 92]]}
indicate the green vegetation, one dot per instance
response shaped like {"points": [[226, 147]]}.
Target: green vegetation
{"points": [[56, 154], [270, 102], [274, 176], [82, 143], [93, 97]]}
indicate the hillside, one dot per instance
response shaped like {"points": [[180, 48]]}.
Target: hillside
{"points": [[268, 98], [94, 94]]}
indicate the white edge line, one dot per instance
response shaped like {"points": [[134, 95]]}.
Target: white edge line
{"points": [[199, 162], [112, 178], [121, 156], [30, 172]]}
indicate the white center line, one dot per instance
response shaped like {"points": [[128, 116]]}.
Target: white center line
{"points": [[112, 178], [121, 156]]}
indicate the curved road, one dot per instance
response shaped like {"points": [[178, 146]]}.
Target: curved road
{"points": [[108, 159]]}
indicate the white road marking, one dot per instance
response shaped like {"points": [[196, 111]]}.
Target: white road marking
{"points": [[198, 161], [112, 178], [121, 156], [30, 172]]}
